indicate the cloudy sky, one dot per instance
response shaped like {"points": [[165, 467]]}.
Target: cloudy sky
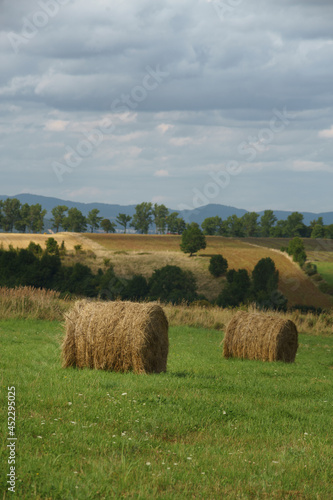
{"points": [[181, 102]]}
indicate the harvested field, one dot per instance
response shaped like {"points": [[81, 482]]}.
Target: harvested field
{"points": [[20, 240]]}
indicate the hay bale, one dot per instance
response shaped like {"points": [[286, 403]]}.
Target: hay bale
{"points": [[117, 336], [261, 337]]}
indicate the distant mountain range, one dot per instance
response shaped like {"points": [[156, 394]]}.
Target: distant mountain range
{"points": [[110, 211]]}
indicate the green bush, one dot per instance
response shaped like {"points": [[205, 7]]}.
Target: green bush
{"points": [[237, 289], [136, 288], [218, 266], [310, 269], [297, 250], [172, 284], [52, 246]]}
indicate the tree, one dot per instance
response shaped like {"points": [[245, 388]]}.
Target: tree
{"points": [[75, 221], [10, 213], [21, 224], [172, 284], [123, 220], [93, 219], [176, 225], [193, 239], [142, 217], [237, 289], [297, 250], [36, 218], [52, 246], [295, 226], [59, 216], [329, 231], [218, 266], [108, 226], [250, 224], [280, 230], [318, 231], [265, 277], [160, 213], [267, 222], [211, 225], [224, 229], [235, 226]]}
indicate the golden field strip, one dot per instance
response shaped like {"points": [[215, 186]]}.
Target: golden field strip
{"points": [[22, 240]]}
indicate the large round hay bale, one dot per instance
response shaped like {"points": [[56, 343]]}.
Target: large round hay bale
{"points": [[262, 337], [117, 336]]}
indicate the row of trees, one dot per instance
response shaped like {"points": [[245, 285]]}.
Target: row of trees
{"points": [[23, 218], [14, 215], [249, 225]]}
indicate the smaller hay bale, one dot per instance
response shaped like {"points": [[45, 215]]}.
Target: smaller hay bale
{"points": [[260, 337], [116, 336]]}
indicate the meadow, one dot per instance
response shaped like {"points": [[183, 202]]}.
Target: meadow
{"points": [[207, 428]]}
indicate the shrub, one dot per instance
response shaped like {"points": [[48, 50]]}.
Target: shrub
{"points": [[310, 269], [172, 284], [297, 250], [35, 248], [52, 246], [136, 288], [237, 289], [218, 266]]}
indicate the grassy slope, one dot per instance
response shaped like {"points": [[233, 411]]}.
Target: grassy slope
{"points": [[208, 428], [132, 254]]}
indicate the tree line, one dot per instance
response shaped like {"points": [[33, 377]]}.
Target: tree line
{"points": [[30, 218]]}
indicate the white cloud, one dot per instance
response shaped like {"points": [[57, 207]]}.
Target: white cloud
{"points": [[161, 173], [311, 166], [327, 134], [164, 127], [56, 125]]}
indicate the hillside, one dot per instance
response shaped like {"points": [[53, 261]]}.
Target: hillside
{"points": [[142, 254], [133, 254]]}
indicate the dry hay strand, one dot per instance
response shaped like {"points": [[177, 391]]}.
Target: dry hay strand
{"points": [[116, 336], [260, 337]]}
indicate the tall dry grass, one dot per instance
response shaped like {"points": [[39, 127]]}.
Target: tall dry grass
{"points": [[31, 303], [218, 318]]}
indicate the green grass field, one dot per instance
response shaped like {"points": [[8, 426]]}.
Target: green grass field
{"points": [[208, 428], [326, 271]]}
